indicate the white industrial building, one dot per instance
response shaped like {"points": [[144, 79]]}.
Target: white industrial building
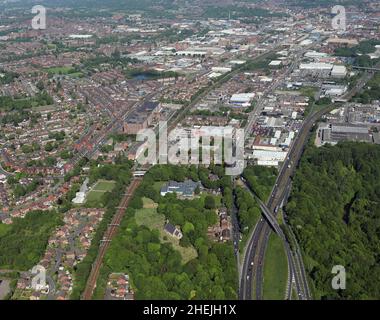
{"points": [[339, 71], [80, 196], [315, 55], [334, 90], [221, 69], [214, 75], [327, 69], [288, 140], [242, 98], [266, 148], [316, 66], [191, 53], [263, 155], [267, 163], [237, 62], [275, 63], [273, 141], [273, 122]]}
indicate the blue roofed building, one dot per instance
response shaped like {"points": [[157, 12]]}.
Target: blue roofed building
{"points": [[184, 189]]}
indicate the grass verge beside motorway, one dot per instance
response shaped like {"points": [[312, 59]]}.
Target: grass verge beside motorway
{"points": [[275, 269]]}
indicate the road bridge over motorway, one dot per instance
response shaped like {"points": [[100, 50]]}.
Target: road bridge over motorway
{"points": [[367, 68], [272, 221]]}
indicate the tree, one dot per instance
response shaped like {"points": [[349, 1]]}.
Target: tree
{"points": [[188, 227], [209, 202], [40, 85]]}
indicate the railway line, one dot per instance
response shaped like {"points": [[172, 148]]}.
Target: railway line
{"points": [[108, 235]]}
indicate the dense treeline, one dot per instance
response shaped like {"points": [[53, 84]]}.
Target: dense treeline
{"points": [[361, 53], [155, 267], [114, 60], [335, 213], [7, 76], [18, 109], [24, 243], [149, 74], [364, 47], [10, 104], [249, 210], [261, 180], [371, 92]]}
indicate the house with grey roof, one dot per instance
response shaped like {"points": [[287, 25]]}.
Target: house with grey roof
{"points": [[173, 231], [184, 189]]}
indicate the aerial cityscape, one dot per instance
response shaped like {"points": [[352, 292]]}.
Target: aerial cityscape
{"points": [[189, 150]]}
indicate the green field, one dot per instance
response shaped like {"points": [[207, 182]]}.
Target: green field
{"points": [[308, 91], [149, 217], [76, 74], [4, 229], [275, 270], [96, 193]]}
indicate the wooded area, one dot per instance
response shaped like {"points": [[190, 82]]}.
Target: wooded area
{"points": [[334, 211], [25, 241], [155, 268]]}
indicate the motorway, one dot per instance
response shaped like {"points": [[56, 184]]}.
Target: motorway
{"points": [[260, 235], [258, 242], [252, 269]]}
